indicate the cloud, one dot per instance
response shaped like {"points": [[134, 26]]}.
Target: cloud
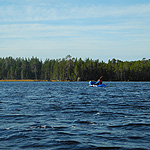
{"points": [[46, 30], [47, 12]]}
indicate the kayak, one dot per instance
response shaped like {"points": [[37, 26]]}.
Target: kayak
{"points": [[101, 85], [93, 84]]}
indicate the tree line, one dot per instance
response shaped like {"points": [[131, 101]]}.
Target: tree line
{"points": [[73, 69]]}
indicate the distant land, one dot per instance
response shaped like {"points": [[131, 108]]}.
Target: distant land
{"points": [[72, 69]]}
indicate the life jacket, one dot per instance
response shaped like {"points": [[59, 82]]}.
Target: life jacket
{"points": [[99, 82]]}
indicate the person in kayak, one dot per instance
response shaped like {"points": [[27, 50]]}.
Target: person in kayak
{"points": [[99, 81]]}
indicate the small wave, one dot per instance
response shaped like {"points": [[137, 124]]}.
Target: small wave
{"points": [[64, 133], [135, 137], [109, 148], [83, 93], [67, 144], [70, 142], [35, 145], [60, 128], [91, 112], [84, 122], [102, 133], [130, 125], [40, 127], [16, 136]]}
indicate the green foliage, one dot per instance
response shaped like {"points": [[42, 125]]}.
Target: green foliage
{"points": [[74, 69]]}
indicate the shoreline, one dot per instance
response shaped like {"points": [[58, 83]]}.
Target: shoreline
{"points": [[32, 80], [24, 80]]}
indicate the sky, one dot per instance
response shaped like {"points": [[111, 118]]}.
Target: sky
{"points": [[95, 29]]}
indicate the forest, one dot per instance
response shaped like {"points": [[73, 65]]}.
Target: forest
{"points": [[73, 69]]}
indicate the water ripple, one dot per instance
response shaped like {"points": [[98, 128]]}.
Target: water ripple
{"points": [[71, 115]]}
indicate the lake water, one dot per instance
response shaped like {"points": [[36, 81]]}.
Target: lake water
{"points": [[72, 115]]}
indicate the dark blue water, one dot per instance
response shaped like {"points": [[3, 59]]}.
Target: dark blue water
{"points": [[72, 115]]}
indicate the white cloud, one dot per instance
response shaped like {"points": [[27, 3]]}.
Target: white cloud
{"points": [[46, 29], [49, 12]]}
